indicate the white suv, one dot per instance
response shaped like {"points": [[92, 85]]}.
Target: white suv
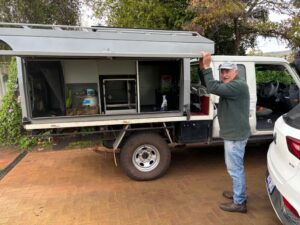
{"points": [[283, 177]]}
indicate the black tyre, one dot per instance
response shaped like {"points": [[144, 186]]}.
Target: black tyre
{"points": [[145, 156]]}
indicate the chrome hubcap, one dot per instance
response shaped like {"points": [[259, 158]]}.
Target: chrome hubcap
{"points": [[146, 158]]}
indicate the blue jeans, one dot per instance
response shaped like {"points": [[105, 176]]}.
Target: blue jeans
{"points": [[234, 159]]}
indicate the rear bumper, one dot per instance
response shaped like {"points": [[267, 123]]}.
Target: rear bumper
{"points": [[276, 202], [284, 215]]}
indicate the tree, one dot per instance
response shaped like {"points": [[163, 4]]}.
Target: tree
{"points": [[65, 12], [292, 25], [235, 24], [154, 14]]}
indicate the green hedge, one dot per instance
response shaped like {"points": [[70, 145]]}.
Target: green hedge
{"points": [[273, 76], [11, 129]]}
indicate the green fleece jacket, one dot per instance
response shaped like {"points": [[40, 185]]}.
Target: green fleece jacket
{"points": [[233, 108]]}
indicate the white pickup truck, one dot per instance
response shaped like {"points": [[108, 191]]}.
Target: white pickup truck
{"points": [[138, 88]]}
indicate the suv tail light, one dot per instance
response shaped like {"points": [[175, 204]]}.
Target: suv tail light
{"points": [[294, 146], [290, 207]]}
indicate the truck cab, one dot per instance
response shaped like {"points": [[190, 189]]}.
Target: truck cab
{"points": [[273, 87]]}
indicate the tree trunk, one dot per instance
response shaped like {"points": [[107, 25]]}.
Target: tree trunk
{"points": [[237, 34]]}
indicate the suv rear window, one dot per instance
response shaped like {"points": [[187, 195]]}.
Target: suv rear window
{"points": [[292, 118]]}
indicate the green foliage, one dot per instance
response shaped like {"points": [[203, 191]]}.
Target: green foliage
{"points": [[40, 11], [81, 144], [292, 31], [255, 52], [273, 76], [26, 142], [69, 99], [235, 24], [10, 112], [165, 90], [45, 142], [153, 14], [11, 131]]}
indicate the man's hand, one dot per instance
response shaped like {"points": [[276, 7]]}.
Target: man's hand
{"points": [[205, 60]]}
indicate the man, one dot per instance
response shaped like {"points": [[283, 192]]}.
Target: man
{"points": [[233, 115]]}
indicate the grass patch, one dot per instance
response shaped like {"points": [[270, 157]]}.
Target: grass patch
{"points": [[81, 144]]}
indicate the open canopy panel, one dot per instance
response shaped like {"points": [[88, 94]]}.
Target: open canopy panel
{"points": [[74, 41]]}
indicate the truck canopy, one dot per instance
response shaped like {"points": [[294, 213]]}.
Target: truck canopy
{"points": [[75, 41], [71, 76]]}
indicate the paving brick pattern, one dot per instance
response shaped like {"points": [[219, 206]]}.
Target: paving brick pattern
{"points": [[81, 187], [7, 156]]}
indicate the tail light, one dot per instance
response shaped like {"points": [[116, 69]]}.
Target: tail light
{"points": [[294, 146], [290, 207]]}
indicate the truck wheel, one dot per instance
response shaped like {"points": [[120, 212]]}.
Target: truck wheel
{"points": [[145, 156]]}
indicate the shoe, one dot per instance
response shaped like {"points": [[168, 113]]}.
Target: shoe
{"points": [[231, 207], [228, 194]]}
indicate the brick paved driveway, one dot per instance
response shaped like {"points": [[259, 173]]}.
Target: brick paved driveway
{"points": [[81, 187]]}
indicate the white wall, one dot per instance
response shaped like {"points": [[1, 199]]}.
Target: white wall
{"points": [[87, 71], [116, 67], [80, 71]]}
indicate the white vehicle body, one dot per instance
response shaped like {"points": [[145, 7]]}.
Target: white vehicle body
{"points": [[113, 80], [248, 66], [283, 179]]}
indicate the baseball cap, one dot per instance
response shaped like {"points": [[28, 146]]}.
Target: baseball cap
{"points": [[228, 66]]}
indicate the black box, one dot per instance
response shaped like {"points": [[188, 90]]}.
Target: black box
{"points": [[193, 131]]}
